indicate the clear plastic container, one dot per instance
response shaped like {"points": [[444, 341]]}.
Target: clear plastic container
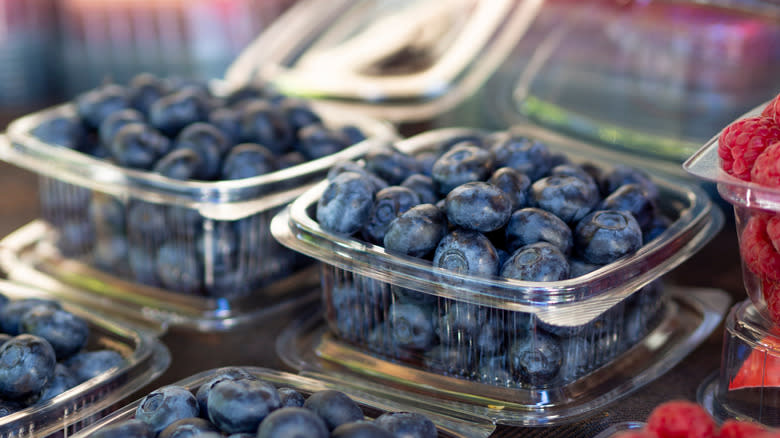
{"points": [[592, 319], [747, 387], [372, 406], [754, 206], [109, 226], [615, 429], [145, 360]]}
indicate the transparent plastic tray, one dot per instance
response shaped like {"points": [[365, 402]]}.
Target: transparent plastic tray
{"points": [[689, 317], [747, 386], [146, 358], [753, 205], [615, 429], [372, 405], [202, 219]]}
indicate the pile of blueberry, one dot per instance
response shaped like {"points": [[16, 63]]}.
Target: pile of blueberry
{"points": [[181, 130], [42, 353], [237, 404], [489, 205]]}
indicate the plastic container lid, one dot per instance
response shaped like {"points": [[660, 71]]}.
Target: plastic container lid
{"points": [[145, 359]]}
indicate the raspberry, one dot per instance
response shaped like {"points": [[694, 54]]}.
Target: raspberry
{"points": [[766, 169], [740, 429], [773, 231], [772, 110], [636, 434], [756, 249], [771, 292], [742, 141], [681, 419]]}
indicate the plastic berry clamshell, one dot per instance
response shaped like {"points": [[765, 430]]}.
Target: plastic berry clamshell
{"points": [[65, 251], [371, 405], [617, 327], [146, 358], [755, 209]]}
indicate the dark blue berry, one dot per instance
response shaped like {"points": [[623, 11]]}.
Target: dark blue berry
{"points": [[411, 326], [88, 364], [66, 332], [290, 159], [248, 160], [455, 360], [407, 424], [474, 138], [180, 164], [531, 157], [138, 146], [143, 265], [236, 406], [514, 184], [291, 398], [578, 268], [107, 213], [293, 423], [95, 105], [536, 262], [165, 406], [389, 203], [178, 268], [607, 235], [353, 134], [188, 428], [532, 225], [621, 175], [144, 90], [334, 407], [659, 224], [351, 166], [75, 237], [578, 358], [466, 252], [172, 113], [63, 131], [360, 429], [146, 224], [209, 143], [461, 322], [417, 232], [316, 141], [114, 122], [424, 187], [262, 123], [228, 121], [224, 374], [632, 198], [62, 380], [391, 165], [26, 365], [478, 206], [536, 359], [568, 197], [577, 172], [346, 203], [461, 164], [299, 114], [12, 312], [133, 428]]}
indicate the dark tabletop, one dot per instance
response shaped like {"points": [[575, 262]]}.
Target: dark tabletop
{"points": [[716, 266]]}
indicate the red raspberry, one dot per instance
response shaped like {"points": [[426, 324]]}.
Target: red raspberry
{"points": [[773, 231], [681, 419], [740, 429], [742, 141], [768, 434], [756, 249], [636, 434], [771, 292], [772, 110], [766, 169]]}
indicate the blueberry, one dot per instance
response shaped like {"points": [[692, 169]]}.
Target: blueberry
{"points": [[178, 268], [224, 374], [466, 252], [360, 429], [450, 360], [578, 358], [218, 249], [621, 175], [531, 157], [63, 131], [391, 165], [578, 268], [132, 428], [424, 187], [61, 381], [317, 141], [290, 159], [407, 424], [403, 295], [8, 407], [659, 224], [240, 405], [66, 332], [107, 214], [75, 237], [228, 121], [145, 89], [514, 184], [95, 105], [88, 364], [570, 198], [187, 428], [607, 235], [146, 224], [334, 407], [417, 232], [411, 326], [26, 364], [536, 359], [138, 146], [536, 262], [474, 138], [461, 164], [262, 123], [426, 160], [299, 114], [478, 206], [389, 203], [165, 406], [114, 122], [291, 398], [354, 307], [351, 166], [247, 160], [11, 313], [293, 423], [532, 225], [461, 322], [577, 172], [180, 164], [246, 93], [346, 203], [209, 143], [632, 198], [143, 265], [172, 113], [61, 201], [353, 134]]}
